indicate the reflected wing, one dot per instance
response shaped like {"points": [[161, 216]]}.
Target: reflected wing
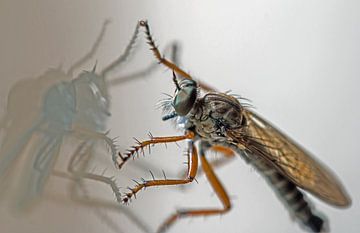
{"points": [[261, 139], [40, 163]]}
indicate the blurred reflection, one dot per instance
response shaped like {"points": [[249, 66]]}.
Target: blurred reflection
{"points": [[42, 113]]}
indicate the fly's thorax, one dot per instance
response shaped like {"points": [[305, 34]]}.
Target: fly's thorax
{"points": [[92, 101], [216, 113]]}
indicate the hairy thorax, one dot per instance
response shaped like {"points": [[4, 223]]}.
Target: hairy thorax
{"points": [[214, 114]]}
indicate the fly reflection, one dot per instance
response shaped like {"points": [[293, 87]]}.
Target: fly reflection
{"points": [[43, 115]]}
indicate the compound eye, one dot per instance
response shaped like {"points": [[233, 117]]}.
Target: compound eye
{"points": [[184, 100]]}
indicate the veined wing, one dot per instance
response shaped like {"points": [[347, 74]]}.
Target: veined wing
{"points": [[262, 139]]}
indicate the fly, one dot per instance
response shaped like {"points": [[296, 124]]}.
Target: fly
{"points": [[220, 122]]}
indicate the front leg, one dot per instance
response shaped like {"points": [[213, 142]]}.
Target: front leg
{"points": [[191, 173], [153, 140]]}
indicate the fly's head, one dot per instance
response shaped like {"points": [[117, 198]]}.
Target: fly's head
{"points": [[180, 105], [185, 96], [91, 87], [92, 100]]}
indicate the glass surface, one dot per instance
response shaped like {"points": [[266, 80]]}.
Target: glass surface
{"points": [[297, 62]]}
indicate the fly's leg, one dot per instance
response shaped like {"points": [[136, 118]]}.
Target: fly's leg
{"points": [[82, 174], [99, 178], [96, 135], [227, 156], [80, 159], [165, 62], [219, 190], [91, 53], [191, 173], [124, 55], [153, 140], [76, 172], [173, 47], [158, 55], [227, 152], [81, 155]]}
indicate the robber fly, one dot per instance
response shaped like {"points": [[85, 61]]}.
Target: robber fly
{"points": [[220, 122], [60, 106]]}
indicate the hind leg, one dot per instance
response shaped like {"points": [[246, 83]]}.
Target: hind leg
{"points": [[79, 163], [219, 190], [227, 156]]}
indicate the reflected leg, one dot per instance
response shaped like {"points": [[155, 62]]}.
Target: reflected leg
{"points": [[124, 55], [91, 53]]}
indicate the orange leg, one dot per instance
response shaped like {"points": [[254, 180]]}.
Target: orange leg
{"points": [[158, 55], [220, 192], [191, 173], [152, 141], [166, 62], [229, 155]]}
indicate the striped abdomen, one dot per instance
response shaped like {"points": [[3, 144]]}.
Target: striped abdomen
{"points": [[290, 195]]}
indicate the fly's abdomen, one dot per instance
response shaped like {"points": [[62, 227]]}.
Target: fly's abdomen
{"points": [[290, 195]]}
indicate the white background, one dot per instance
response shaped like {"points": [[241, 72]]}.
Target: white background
{"points": [[296, 60]]}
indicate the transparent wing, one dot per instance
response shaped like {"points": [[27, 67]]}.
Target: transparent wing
{"points": [[12, 146], [261, 139], [38, 165]]}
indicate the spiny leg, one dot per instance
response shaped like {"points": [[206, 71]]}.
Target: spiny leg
{"points": [[81, 157], [97, 135], [152, 141], [158, 55], [91, 53], [191, 173], [78, 174], [219, 190], [147, 71], [125, 54], [100, 207], [99, 178], [166, 62]]}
